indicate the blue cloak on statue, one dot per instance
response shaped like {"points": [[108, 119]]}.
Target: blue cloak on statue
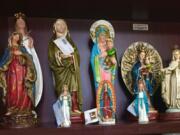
{"points": [[142, 101], [136, 76]]}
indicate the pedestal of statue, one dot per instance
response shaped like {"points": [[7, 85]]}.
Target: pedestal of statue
{"points": [[77, 117], [107, 122], [153, 115], [170, 115], [20, 121]]}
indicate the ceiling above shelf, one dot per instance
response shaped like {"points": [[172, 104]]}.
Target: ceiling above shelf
{"points": [[137, 10]]}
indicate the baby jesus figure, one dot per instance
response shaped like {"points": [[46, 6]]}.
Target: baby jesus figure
{"points": [[146, 74], [110, 59], [147, 68]]}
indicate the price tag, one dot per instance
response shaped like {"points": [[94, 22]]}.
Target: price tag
{"points": [[140, 27]]}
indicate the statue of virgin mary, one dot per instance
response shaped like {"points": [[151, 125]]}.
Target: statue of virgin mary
{"points": [[171, 83]]}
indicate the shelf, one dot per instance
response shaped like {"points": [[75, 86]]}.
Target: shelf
{"points": [[120, 128]]}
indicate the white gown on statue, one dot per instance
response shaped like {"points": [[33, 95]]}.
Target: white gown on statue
{"points": [[143, 117], [171, 87], [66, 111], [39, 81]]}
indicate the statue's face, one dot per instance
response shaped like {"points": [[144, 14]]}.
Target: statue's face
{"points": [[20, 23], [65, 88], [141, 86], [110, 44], [16, 37], [102, 38], [142, 56], [65, 92], [60, 26], [147, 61], [105, 86], [176, 55]]}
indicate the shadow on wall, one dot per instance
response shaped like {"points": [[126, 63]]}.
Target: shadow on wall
{"points": [[3, 45], [93, 102], [129, 96], [2, 105]]}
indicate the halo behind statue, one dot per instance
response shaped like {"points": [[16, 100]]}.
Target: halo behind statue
{"points": [[101, 23], [130, 57]]}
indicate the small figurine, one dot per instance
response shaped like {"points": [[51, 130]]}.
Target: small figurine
{"points": [[62, 108], [110, 60], [141, 103], [18, 77], [106, 103]]}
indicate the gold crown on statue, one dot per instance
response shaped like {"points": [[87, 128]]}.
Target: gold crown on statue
{"points": [[141, 48], [20, 15]]}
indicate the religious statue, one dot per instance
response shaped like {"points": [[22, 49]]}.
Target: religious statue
{"points": [[142, 62], [141, 103], [171, 83], [18, 77], [63, 108], [110, 60], [64, 62], [141, 70], [102, 34], [21, 26], [106, 103], [103, 63]]}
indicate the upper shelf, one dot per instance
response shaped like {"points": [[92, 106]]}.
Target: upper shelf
{"points": [[95, 9]]}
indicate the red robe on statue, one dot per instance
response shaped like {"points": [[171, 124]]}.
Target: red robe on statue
{"points": [[107, 108], [17, 94], [18, 76]]}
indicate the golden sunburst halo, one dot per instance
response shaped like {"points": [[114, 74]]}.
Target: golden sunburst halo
{"points": [[130, 58]]}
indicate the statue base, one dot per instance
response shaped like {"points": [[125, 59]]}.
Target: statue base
{"points": [[20, 121], [152, 115], [107, 122], [170, 115], [77, 118]]}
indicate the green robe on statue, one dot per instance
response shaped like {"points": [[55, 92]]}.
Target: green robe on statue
{"points": [[65, 70]]}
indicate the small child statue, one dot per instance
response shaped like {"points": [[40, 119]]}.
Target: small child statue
{"points": [[141, 103], [110, 59]]}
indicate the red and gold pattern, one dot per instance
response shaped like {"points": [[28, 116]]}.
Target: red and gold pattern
{"points": [[17, 95], [100, 90], [17, 76]]}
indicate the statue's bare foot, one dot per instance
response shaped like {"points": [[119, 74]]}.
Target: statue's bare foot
{"points": [[77, 111]]}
